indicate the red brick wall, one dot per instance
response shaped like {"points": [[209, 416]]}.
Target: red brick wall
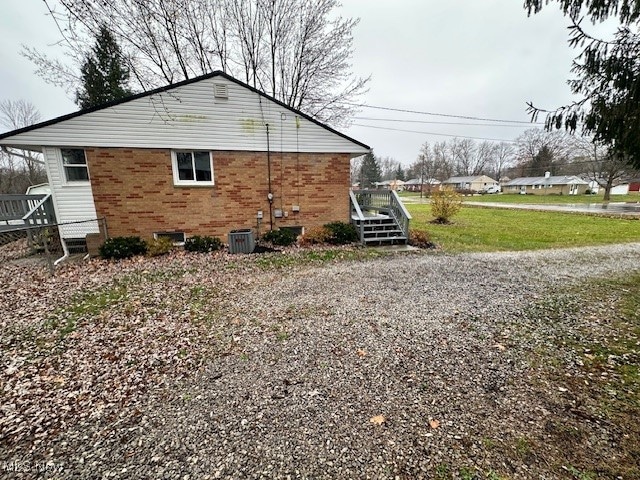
{"points": [[133, 189]]}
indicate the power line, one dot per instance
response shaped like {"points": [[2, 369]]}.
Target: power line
{"points": [[436, 122], [437, 114], [432, 133]]}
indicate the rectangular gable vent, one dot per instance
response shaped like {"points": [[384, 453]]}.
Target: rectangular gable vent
{"points": [[220, 90]]}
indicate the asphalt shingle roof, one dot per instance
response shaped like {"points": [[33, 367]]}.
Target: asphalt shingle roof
{"points": [[554, 180]]}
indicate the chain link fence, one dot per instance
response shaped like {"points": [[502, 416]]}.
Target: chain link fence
{"points": [[51, 242]]}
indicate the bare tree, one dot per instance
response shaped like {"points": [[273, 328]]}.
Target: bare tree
{"points": [[388, 167], [461, 151], [299, 51], [603, 166], [471, 158], [443, 160], [355, 167], [502, 158], [539, 151], [19, 168], [484, 157], [426, 167]]}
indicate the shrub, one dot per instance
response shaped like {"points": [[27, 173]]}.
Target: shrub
{"points": [[420, 239], [315, 235], [444, 205], [341, 233], [122, 247], [282, 237], [202, 244], [159, 246]]}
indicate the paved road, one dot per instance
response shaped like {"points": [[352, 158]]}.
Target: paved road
{"points": [[617, 208]]}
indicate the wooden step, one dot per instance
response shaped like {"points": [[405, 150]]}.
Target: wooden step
{"points": [[381, 240], [373, 228], [383, 233], [372, 217]]}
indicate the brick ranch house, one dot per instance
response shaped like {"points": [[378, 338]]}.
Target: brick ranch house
{"points": [[552, 185], [204, 156]]}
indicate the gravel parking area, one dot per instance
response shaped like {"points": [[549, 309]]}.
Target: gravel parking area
{"points": [[414, 366]]}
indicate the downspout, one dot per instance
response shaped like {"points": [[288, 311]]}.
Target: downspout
{"points": [[270, 194], [66, 253]]}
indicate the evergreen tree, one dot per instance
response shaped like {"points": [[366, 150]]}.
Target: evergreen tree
{"points": [[400, 173], [607, 76], [370, 172], [104, 73], [542, 163]]}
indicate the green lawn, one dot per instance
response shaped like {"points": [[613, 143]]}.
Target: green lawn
{"points": [[492, 229], [537, 199]]}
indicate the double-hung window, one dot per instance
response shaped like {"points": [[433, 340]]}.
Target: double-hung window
{"points": [[192, 168], [75, 166]]}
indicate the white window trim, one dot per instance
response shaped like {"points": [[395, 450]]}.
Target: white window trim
{"points": [[63, 171], [190, 183]]}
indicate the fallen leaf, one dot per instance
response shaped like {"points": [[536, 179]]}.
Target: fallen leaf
{"points": [[434, 423], [378, 420], [361, 352], [500, 347]]}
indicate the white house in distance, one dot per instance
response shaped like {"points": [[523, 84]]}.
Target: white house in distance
{"points": [[474, 183]]}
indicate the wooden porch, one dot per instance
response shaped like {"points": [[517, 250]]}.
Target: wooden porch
{"points": [[25, 210], [380, 217]]}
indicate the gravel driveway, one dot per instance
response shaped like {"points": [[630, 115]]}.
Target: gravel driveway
{"points": [[400, 367]]}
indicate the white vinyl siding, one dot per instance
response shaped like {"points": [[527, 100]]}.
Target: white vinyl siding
{"points": [[190, 117], [73, 201]]}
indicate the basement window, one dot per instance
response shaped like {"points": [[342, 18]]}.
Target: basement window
{"points": [[75, 166], [176, 237], [193, 168]]}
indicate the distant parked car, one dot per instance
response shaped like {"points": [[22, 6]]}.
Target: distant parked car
{"points": [[492, 189]]}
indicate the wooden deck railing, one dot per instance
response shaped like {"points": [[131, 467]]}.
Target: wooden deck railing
{"points": [[42, 213], [403, 217], [14, 207], [381, 201], [356, 214], [26, 210]]}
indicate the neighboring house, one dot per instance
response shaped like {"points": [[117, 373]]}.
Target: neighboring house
{"points": [[554, 185], [415, 184], [634, 185], [397, 185], [622, 189], [203, 156], [474, 183]]}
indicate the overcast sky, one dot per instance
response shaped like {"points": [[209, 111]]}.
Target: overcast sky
{"points": [[461, 57]]}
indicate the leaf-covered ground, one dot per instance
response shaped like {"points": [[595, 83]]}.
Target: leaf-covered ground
{"points": [[322, 364]]}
